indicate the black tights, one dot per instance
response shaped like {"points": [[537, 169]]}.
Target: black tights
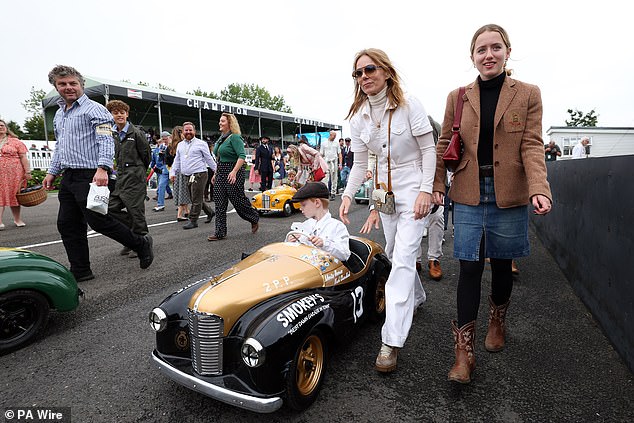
{"points": [[469, 285]]}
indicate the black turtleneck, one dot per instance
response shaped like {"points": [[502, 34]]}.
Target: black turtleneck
{"points": [[489, 94]]}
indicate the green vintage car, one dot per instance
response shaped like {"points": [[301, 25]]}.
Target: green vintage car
{"points": [[30, 286]]}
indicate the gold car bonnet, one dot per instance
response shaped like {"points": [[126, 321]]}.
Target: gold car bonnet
{"points": [[271, 271]]}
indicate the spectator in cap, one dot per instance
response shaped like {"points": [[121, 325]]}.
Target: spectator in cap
{"points": [[159, 165], [321, 229], [263, 163]]}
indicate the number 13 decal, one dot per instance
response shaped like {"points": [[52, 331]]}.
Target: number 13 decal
{"points": [[357, 301]]}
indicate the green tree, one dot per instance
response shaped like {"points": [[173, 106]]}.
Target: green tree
{"points": [[33, 104], [34, 127], [165, 87], [15, 128], [578, 118], [202, 93], [254, 95], [34, 124]]}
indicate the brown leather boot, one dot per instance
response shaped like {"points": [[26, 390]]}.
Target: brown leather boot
{"points": [[465, 355], [496, 334], [435, 271]]}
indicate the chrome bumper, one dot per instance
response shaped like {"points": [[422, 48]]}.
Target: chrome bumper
{"points": [[269, 209], [259, 405]]}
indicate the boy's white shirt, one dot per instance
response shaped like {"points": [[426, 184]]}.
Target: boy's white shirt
{"points": [[332, 231]]}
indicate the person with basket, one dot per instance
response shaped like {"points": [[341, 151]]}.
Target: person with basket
{"points": [[14, 172]]}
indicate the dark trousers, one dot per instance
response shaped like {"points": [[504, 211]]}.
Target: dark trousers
{"points": [[470, 282], [209, 188], [448, 205], [73, 217], [196, 193], [266, 179], [127, 201], [225, 192]]}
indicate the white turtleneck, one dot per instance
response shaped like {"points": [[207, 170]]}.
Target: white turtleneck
{"points": [[425, 142], [377, 106]]}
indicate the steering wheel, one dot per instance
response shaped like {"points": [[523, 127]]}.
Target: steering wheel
{"points": [[290, 237]]}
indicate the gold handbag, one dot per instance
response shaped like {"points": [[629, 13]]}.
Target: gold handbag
{"points": [[384, 199]]}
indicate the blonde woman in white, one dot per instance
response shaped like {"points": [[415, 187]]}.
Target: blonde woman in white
{"points": [[380, 103]]}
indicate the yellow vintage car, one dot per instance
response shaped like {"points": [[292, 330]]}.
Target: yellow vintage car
{"points": [[276, 200]]}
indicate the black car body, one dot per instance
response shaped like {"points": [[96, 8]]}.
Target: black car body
{"points": [[258, 335]]}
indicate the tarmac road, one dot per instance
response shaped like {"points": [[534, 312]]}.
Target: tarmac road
{"points": [[558, 365]]}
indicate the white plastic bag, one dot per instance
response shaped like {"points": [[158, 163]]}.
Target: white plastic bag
{"points": [[98, 197]]}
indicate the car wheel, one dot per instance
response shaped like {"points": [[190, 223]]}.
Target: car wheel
{"points": [[287, 209], [356, 200], [307, 371], [22, 315], [377, 308]]}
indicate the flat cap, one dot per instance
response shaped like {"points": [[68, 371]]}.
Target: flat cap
{"points": [[311, 190]]}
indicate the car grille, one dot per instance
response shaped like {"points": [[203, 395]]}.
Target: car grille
{"points": [[266, 201], [206, 332]]}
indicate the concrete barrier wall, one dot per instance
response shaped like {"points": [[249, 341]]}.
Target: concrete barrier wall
{"points": [[590, 233]]}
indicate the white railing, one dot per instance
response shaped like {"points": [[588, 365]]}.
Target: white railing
{"points": [[39, 159]]}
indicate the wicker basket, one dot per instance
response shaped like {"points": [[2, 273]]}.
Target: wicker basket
{"points": [[31, 198]]}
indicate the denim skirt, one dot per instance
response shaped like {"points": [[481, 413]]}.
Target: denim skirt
{"points": [[505, 231]]}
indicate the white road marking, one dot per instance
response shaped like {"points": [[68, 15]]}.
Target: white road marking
{"points": [[92, 234]]}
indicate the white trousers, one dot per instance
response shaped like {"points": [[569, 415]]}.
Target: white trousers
{"points": [[435, 223], [404, 289], [331, 175]]}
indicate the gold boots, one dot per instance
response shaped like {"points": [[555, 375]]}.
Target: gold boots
{"points": [[465, 356], [496, 334]]}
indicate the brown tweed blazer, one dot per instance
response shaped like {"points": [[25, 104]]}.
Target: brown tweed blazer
{"points": [[518, 150]]}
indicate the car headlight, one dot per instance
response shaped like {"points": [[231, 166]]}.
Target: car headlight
{"points": [[253, 353], [158, 319]]}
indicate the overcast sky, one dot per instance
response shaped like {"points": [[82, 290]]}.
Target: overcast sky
{"points": [[578, 52]]}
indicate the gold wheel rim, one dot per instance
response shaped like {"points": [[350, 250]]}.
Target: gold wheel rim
{"points": [[310, 365]]}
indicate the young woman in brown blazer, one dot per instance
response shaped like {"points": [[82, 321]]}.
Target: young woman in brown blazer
{"points": [[502, 170]]}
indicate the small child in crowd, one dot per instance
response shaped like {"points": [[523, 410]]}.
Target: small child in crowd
{"points": [[321, 229], [291, 175]]}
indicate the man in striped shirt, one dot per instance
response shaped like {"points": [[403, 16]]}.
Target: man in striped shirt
{"points": [[84, 154]]}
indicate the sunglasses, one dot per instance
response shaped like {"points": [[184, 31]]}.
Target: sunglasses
{"points": [[369, 70]]}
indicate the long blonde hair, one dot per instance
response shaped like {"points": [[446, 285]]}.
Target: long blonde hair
{"points": [[293, 151], [10, 133], [395, 94], [177, 136], [234, 126]]}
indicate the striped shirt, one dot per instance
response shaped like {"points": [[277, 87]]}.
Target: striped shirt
{"points": [[84, 136]]}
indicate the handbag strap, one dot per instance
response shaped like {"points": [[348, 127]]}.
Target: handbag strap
{"points": [[457, 116], [389, 166]]}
